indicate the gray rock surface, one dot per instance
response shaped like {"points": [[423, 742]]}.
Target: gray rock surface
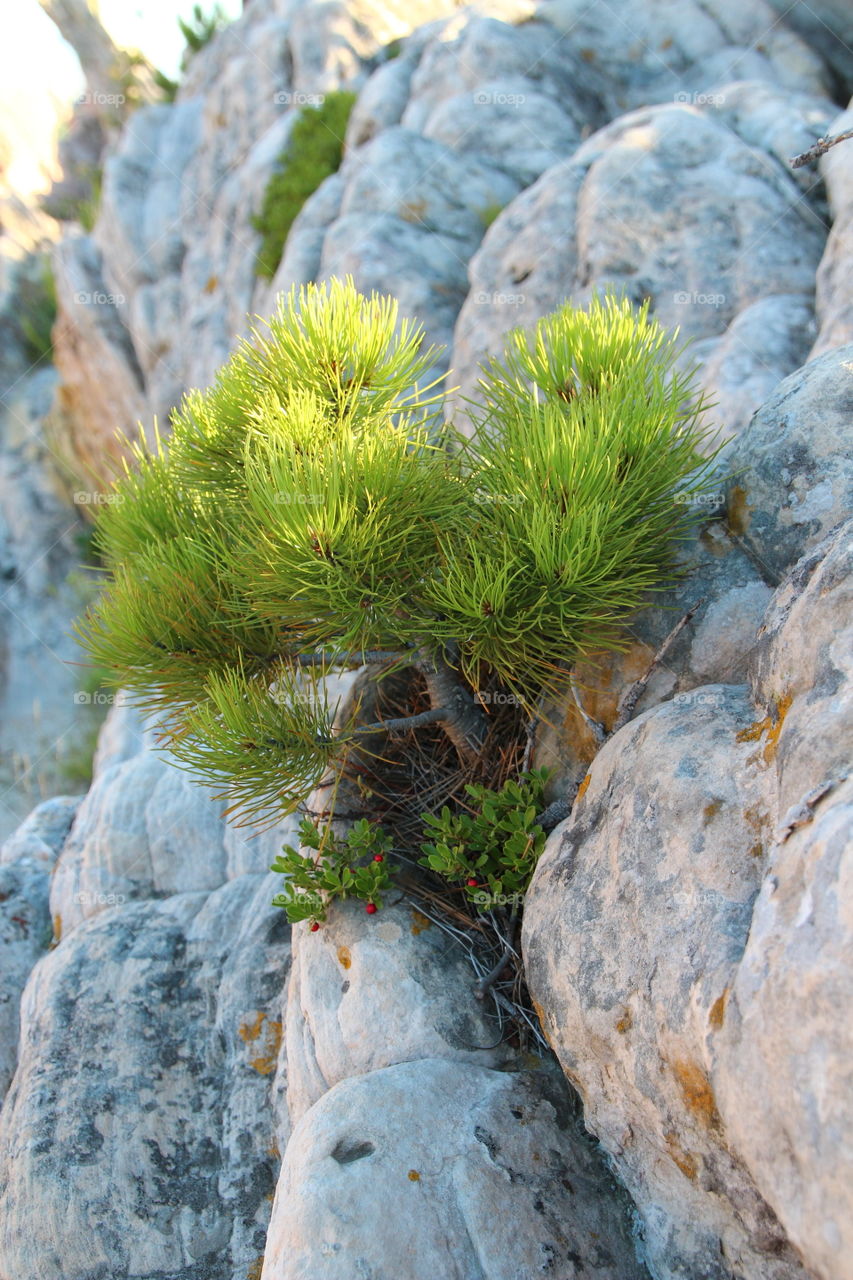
{"points": [[834, 290], [486, 1172], [26, 859], [792, 474], [712, 833], [336, 1001], [143, 1102], [643, 206]]}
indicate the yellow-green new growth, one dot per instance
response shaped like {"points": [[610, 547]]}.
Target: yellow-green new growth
{"points": [[308, 508]]}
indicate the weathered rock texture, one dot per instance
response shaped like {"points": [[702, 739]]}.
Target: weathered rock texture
{"points": [[674, 926], [198, 1092]]}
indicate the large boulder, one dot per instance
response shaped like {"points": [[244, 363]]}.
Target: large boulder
{"points": [[436, 1168], [674, 922], [143, 1104], [354, 980], [26, 861]]}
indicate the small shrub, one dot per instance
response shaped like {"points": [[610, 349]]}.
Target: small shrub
{"points": [[197, 31], [314, 151], [303, 513], [491, 852], [490, 212], [353, 867]]}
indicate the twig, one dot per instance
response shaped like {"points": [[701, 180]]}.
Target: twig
{"points": [[433, 716], [356, 658], [819, 149], [508, 952], [638, 688], [532, 726], [594, 727], [556, 812]]}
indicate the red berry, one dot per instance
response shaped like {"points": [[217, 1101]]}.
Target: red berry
{"points": [[371, 908], [472, 883], [377, 857], [314, 927]]}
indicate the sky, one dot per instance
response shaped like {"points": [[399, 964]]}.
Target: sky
{"points": [[40, 75]]}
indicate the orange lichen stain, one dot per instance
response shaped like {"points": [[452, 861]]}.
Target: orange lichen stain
{"points": [[211, 284], [584, 786], [717, 1011], [696, 1091], [254, 1272], [344, 957], [540, 1014], [413, 1175], [600, 683], [755, 817], [413, 210], [248, 1031], [588, 55], [269, 1033], [783, 706], [273, 1151], [737, 510], [266, 1063], [710, 811], [771, 725], [57, 931], [626, 1022], [419, 922], [756, 850], [685, 1162]]}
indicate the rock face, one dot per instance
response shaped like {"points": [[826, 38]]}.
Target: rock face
{"points": [[791, 484], [712, 833], [491, 1175], [215, 1096], [833, 301], [612, 216], [182, 998]]}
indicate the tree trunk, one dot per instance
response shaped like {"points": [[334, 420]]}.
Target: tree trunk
{"points": [[465, 721]]}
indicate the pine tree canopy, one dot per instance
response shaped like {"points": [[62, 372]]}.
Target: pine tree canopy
{"points": [[310, 506]]}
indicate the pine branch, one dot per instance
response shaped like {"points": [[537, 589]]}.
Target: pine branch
{"points": [[354, 658], [819, 149]]}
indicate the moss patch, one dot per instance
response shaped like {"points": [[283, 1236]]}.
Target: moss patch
{"points": [[315, 151]]}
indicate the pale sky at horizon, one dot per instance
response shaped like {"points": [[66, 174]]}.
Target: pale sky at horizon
{"points": [[40, 75]]}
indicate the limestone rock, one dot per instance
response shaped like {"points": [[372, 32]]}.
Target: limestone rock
{"points": [[26, 859], [791, 467], [835, 274], [827, 25], [673, 49], [142, 1104], [357, 974], [143, 830], [102, 388], [488, 1174], [712, 834], [782, 1063], [613, 215], [665, 848], [802, 670]]}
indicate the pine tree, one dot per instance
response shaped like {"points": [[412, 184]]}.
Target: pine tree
{"points": [[310, 511]]}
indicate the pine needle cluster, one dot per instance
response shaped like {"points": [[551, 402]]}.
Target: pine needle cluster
{"points": [[309, 507]]}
